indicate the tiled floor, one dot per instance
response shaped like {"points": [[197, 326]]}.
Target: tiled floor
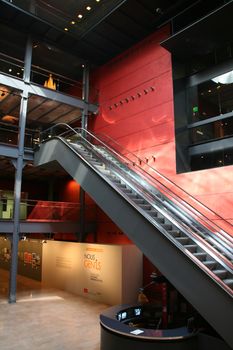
{"points": [[47, 319]]}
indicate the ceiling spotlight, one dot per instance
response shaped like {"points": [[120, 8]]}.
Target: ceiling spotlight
{"points": [[66, 29], [88, 8], [83, 65], [97, 0], [72, 22], [10, 70], [80, 16]]}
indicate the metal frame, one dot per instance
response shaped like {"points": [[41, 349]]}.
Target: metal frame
{"points": [[38, 90]]}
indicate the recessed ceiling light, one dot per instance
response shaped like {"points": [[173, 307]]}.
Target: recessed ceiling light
{"points": [[66, 29], [10, 70], [72, 22], [18, 73], [83, 65], [88, 8], [97, 0], [80, 16]]}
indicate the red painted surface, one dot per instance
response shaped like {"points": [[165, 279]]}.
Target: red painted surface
{"points": [[136, 109]]}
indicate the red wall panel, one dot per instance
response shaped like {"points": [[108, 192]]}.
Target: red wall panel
{"points": [[136, 109]]}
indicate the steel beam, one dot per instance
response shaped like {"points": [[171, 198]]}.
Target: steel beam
{"points": [[6, 226], [82, 215], [12, 152], [34, 89]]}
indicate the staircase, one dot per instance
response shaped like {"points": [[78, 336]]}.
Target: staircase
{"points": [[198, 261]]}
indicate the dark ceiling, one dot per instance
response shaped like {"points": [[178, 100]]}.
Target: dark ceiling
{"points": [[63, 41]]}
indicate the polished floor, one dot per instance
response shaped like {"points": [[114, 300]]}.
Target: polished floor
{"points": [[47, 319]]}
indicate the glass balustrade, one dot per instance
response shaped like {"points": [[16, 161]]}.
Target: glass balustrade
{"points": [[40, 210]]}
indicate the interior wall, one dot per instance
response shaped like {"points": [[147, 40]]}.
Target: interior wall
{"points": [[136, 109]]}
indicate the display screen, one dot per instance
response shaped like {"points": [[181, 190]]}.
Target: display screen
{"points": [[122, 316], [137, 312]]}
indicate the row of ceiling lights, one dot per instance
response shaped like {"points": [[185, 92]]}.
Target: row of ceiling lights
{"points": [[80, 16]]}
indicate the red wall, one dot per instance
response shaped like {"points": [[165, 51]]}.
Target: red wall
{"points": [[136, 109]]}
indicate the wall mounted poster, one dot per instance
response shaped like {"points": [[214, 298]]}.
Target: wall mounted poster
{"points": [[29, 257]]}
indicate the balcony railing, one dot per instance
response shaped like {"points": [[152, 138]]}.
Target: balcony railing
{"points": [[40, 210]]}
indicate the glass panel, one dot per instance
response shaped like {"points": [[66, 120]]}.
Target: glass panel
{"points": [[56, 69], [211, 98], [212, 160], [217, 130]]}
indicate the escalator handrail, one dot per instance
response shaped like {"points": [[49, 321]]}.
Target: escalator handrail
{"points": [[181, 201]]}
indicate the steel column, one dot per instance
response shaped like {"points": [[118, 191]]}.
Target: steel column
{"points": [[18, 175], [82, 215]]}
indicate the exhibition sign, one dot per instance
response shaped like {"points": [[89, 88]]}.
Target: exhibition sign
{"points": [[110, 274]]}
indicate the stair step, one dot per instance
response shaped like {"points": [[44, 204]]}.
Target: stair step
{"points": [[210, 264], [220, 273], [145, 206], [122, 186], [167, 227], [229, 282], [191, 247], [200, 256], [183, 240], [138, 200], [100, 166], [160, 220], [174, 233], [128, 191], [105, 171]]}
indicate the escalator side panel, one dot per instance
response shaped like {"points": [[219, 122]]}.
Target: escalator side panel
{"points": [[202, 292]]}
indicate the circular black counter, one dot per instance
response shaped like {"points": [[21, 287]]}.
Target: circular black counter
{"points": [[121, 329]]}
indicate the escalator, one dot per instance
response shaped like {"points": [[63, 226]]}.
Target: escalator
{"points": [[194, 254]]}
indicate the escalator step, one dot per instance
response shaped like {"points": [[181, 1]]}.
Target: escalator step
{"points": [[160, 220], [183, 240], [229, 282], [145, 206], [121, 185], [138, 200], [152, 213], [174, 233], [210, 264], [200, 256], [191, 247], [220, 273], [167, 227]]}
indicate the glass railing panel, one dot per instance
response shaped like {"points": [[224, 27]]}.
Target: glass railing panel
{"points": [[212, 131], [9, 135], [212, 97], [40, 210]]}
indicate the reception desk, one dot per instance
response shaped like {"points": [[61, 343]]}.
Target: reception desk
{"points": [[122, 328]]}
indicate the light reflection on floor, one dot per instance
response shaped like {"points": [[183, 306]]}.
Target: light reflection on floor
{"points": [[56, 320]]}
